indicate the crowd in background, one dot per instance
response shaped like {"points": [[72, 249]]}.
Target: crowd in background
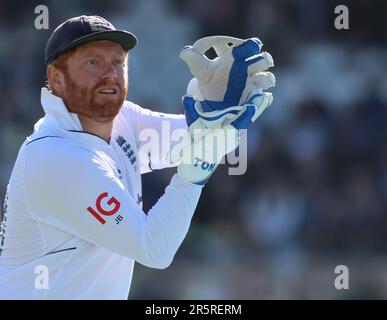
{"points": [[315, 192]]}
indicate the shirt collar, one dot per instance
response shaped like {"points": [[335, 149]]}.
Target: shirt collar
{"points": [[57, 113], [59, 118]]}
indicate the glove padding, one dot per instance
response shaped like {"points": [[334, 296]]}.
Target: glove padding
{"points": [[203, 148], [222, 82], [225, 96], [253, 93]]}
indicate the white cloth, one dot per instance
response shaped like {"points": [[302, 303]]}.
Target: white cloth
{"points": [[53, 217]]}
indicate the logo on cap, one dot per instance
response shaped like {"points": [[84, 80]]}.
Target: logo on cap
{"points": [[97, 24]]}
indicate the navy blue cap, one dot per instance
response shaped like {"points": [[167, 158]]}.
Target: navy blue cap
{"points": [[84, 29]]}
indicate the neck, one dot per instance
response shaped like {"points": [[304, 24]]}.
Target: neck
{"points": [[102, 129]]}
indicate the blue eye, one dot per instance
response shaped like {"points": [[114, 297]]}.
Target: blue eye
{"points": [[92, 61], [118, 61]]}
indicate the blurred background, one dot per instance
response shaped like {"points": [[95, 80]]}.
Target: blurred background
{"points": [[315, 192]]}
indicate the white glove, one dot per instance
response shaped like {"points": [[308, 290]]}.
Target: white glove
{"points": [[203, 148], [221, 82], [252, 93], [225, 96]]}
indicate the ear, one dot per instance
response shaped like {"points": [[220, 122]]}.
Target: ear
{"points": [[55, 79]]}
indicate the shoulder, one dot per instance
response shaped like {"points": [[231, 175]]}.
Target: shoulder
{"points": [[136, 112], [128, 113], [53, 153], [131, 117], [130, 107], [60, 165]]}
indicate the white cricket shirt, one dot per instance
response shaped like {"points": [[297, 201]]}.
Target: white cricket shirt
{"points": [[74, 222]]}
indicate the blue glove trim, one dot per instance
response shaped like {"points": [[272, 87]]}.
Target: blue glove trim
{"points": [[191, 115], [189, 110], [237, 76], [218, 116], [253, 97], [203, 182], [244, 120]]}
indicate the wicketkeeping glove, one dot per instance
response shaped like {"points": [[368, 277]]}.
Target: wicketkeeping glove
{"points": [[204, 148], [225, 96], [223, 82], [253, 93]]}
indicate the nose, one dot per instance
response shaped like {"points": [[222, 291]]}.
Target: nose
{"points": [[110, 71]]}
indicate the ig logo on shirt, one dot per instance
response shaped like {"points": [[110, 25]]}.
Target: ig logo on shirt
{"points": [[113, 202]]}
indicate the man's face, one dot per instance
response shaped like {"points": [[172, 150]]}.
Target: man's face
{"points": [[96, 80]]}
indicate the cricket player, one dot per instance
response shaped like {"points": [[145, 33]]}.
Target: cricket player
{"points": [[73, 221]]}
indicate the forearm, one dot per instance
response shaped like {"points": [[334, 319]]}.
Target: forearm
{"points": [[168, 222]]}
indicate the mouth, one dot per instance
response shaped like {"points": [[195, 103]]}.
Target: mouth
{"points": [[108, 91]]}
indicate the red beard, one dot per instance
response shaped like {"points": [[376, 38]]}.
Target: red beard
{"points": [[82, 101]]}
